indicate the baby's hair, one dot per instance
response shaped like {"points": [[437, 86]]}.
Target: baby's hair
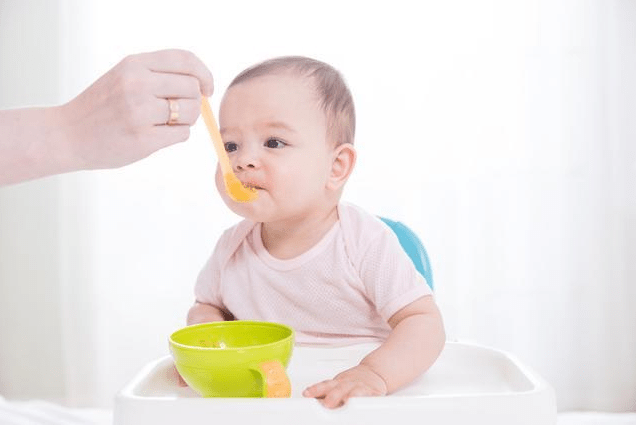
{"points": [[335, 97]]}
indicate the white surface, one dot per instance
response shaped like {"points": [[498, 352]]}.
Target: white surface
{"points": [[38, 412], [29, 63], [596, 418], [468, 383]]}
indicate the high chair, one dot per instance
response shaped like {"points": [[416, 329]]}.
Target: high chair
{"points": [[413, 247], [468, 384]]}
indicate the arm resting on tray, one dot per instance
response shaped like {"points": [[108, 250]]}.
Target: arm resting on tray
{"points": [[416, 340]]}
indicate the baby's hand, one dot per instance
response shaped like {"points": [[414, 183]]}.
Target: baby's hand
{"points": [[175, 377], [359, 381]]}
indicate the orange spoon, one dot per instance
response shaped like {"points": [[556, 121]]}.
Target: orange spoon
{"points": [[233, 185]]}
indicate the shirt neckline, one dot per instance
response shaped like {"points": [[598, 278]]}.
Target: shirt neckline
{"points": [[295, 262]]}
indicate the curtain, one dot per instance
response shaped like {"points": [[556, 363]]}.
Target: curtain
{"points": [[501, 132]]}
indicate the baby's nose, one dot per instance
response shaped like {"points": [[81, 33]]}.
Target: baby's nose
{"points": [[243, 167], [246, 159]]}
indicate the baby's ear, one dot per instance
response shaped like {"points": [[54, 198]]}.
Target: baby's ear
{"points": [[344, 158]]}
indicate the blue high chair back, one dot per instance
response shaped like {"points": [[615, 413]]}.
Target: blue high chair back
{"points": [[413, 247]]}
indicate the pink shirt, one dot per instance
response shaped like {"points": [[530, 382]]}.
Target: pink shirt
{"points": [[342, 290]]}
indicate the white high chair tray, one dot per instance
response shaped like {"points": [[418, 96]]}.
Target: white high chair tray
{"points": [[468, 384]]}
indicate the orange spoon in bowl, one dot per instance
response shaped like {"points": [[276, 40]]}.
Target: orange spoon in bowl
{"points": [[233, 185]]}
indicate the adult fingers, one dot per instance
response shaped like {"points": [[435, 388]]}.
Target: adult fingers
{"points": [[174, 86], [162, 136], [186, 111], [180, 62]]}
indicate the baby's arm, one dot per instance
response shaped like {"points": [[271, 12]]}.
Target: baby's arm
{"points": [[203, 313], [198, 313], [416, 340]]}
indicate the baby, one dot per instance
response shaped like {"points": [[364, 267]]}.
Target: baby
{"points": [[331, 271]]}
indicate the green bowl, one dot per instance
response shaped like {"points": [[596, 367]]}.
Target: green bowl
{"points": [[234, 359]]}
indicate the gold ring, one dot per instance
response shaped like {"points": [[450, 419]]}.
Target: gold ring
{"points": [[174, 112]]}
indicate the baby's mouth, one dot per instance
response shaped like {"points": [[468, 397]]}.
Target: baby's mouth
{"points": [[249, 185]]}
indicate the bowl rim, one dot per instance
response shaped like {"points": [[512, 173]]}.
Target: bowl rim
{"points": [[232, 323]]}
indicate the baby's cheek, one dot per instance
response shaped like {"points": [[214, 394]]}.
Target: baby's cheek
{"points": [[220, 187], [218, 179]]}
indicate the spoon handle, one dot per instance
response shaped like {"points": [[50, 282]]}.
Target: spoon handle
{"points": [[215, 135]]}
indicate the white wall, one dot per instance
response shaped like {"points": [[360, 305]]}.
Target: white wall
{"points": [[30, 327]]}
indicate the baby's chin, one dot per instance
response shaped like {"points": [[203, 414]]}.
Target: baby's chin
{"points": [[243, 209]]}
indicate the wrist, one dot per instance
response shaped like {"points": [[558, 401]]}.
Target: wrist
{"points": [[381, 379], [47, 139], [65, 138]]}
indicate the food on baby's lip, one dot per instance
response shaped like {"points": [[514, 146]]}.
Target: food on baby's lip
{"points": [[252, 186], [237, 190]]}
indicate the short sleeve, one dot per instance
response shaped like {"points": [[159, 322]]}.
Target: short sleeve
{"points": [[389, 276], [208, 285]]}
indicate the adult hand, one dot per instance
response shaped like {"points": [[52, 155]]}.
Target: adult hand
{"points": [[147, 102], [126, 114], [359, 381]]}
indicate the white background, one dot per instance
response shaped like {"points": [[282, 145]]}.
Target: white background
{"points": [[502, 132]]}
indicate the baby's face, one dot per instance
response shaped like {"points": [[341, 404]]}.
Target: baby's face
{"points": [[274, 132]]}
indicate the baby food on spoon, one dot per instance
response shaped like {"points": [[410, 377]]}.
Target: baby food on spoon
{"points": [[233, 186]]}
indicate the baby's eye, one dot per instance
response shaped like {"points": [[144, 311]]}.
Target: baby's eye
{"points": [[275, 143], [230, 147]]}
